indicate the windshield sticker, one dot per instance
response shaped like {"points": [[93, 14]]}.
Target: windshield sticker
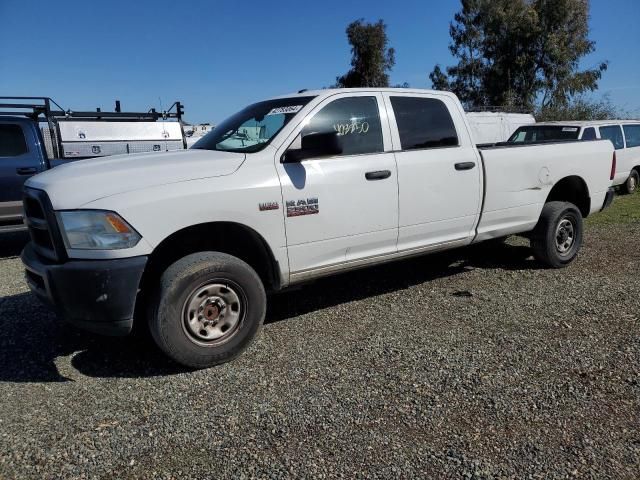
{"points": [[570, 129], [285, 110]]}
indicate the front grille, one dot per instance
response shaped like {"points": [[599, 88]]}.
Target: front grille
{"points": [[33, 209], [42, 224], [36, 280]]}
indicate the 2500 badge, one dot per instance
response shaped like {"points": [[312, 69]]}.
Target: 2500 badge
{"points": [[298, 208]]}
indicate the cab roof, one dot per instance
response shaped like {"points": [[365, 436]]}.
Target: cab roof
{"points": [[327, 92]]}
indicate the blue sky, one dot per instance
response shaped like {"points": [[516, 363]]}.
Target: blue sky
{"points": [[218, 56]]}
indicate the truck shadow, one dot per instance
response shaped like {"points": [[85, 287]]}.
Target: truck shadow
{"points": [[35, 347], [369, 282], [11, 244]]}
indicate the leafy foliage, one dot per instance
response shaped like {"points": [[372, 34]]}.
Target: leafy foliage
{"points": [[519, 52], [580, 108], [371, 58]]}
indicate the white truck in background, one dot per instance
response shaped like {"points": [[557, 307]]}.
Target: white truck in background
{"points": [[623, 134], [194, 132], [283, 192], [496, 127]]}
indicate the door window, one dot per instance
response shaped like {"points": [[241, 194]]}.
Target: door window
{"points": [[355, 121], [589, 134], [423, 123], [613, 133], [12, 141], [632, 134]]}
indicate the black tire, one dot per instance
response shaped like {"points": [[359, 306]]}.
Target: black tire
{"points": [[220, 282], [631, 185], [550, 241]]}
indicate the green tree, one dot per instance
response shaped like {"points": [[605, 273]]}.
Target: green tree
{"points": [[371, 57], [520, 52], [580, 108]]}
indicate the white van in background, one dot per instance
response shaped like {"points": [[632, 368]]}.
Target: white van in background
{"points": [[624, 134], [496, 127]]}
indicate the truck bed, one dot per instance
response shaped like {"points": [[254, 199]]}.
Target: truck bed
{"points": [[519, 178]]}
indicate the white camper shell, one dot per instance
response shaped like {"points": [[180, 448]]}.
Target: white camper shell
{"points": [[496, 127]]}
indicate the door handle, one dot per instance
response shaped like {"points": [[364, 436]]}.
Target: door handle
{"points": [[378, 175], [26, 170], [465, 165]]}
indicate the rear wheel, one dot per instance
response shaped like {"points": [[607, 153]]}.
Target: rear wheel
{"points": [[631, 185], [208, 308], [557, 238]]}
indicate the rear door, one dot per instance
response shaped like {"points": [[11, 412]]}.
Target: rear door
{"points": [[341, 208], [623, 167], [439, 171], [19, 160]]}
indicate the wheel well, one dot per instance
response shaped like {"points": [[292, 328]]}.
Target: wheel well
{"points": [[572, 189], [226, 237]]}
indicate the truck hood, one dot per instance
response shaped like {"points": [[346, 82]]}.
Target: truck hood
{"points": [[77, 183]]}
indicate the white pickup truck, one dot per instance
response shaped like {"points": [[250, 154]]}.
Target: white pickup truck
{"points": [[285, 191]]}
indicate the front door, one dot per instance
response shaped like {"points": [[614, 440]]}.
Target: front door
{"points": [[439, 171], [341, 207], [19, 160]]}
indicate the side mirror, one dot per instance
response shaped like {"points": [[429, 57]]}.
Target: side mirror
{"points": [[325, 144]]}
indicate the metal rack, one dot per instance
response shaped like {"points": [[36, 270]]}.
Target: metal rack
{"points": [[46, 110], [42, 106]]}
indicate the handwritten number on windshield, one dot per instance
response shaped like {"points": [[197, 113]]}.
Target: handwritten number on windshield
{"points": [[353, 128]]}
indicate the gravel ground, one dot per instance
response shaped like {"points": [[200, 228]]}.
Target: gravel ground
{"points": [[470, 364]]}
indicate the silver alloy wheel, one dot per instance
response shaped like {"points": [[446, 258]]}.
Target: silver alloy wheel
{"points": [[632, 183], [212, 314], [565, 236]]}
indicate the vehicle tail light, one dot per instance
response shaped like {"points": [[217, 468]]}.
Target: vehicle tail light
{"points": [[613, 167]]}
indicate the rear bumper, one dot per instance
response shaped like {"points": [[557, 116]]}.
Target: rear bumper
{"points": [[608, 199], [96, 295]]}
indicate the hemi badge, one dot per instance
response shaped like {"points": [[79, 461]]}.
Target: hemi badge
{"points": [[266, 206]]}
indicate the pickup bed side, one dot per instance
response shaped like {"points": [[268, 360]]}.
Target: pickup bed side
{"points": [[520, 179]]}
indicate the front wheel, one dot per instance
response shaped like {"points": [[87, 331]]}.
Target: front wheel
{"points": [[208, 308], [557, 238], [631, 185]]}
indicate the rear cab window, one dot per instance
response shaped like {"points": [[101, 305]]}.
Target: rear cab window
{"points": [[544, 133], [632, 135], [12, 140], [589, 134], [613, 133], [423, 123]]}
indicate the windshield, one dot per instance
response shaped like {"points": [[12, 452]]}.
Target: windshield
{"points": [[251, 129], [544, 133]]}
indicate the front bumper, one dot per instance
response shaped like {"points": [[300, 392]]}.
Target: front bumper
{"points": [[96, 295], [608, 199]]}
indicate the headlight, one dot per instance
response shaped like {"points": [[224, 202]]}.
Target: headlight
{"points": [[96, 230]]}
